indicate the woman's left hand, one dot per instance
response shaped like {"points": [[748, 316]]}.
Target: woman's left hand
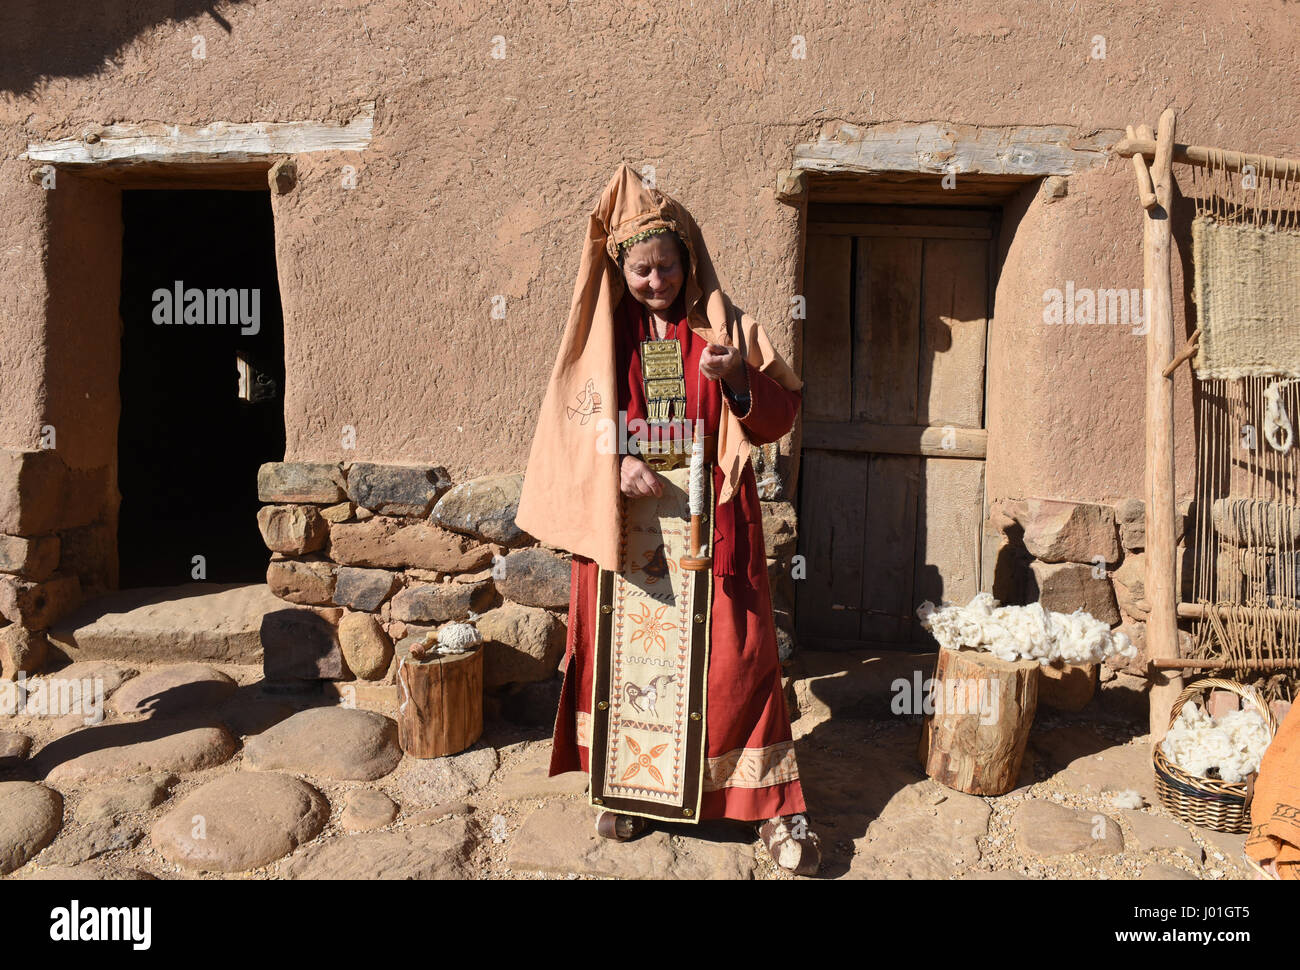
{"points": [[720, 362]]}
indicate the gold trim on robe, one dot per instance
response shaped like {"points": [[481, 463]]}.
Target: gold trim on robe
{"points": [[752, 767]]}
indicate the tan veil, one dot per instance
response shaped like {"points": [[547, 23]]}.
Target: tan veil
{"points": [[571, 497]]}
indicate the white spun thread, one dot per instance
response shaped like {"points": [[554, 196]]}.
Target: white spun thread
{"points": [[696, 494], [1277, 427], [401, 687]]}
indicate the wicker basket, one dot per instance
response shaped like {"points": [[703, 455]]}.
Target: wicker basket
{"points": [[1211, 804]]}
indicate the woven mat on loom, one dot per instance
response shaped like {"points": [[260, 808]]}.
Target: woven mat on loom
{"points": [[1248, 300]]}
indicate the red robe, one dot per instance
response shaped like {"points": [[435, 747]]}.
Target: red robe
{"points": [[750, 772]]}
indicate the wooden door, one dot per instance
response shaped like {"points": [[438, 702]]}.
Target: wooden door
{"points": [[891, 492]]}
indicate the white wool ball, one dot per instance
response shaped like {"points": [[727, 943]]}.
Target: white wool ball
{"points": [[457, 638]]}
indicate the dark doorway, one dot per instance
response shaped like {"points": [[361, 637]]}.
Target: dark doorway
{"points": [[202, 393]]}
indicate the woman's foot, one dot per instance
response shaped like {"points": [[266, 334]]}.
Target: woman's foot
{"points": [[791, 844], [620, 828]]}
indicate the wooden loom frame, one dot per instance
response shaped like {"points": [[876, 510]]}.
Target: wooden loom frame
{"points": [[1155, 192]]}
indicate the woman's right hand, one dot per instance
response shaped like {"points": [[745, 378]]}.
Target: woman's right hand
{"points": [[637, 479]]}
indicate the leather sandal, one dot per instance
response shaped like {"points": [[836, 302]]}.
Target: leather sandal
{"points": [[620, 828], [791, 844]]}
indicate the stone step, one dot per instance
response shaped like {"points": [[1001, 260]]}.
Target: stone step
{"points": [[171, 624]]}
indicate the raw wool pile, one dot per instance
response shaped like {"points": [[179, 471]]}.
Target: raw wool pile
{"points": [[1024, 632], [1231, 745], [455, 638]]}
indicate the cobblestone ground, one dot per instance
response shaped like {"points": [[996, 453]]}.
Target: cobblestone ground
{"points": [[334, 797]]}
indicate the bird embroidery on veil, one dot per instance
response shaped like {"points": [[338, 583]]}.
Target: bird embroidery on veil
{"points": [[588, 403]]}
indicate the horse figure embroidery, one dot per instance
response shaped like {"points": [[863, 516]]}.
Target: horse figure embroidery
{"points": [[644, 699]]}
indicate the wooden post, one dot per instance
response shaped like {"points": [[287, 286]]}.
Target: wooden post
{"points": [[440, 703], [983, 709], [1161, 547], [1146, 191], [1204, 156]]}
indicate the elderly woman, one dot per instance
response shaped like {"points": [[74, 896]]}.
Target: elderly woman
{"points": [[672, 693]]}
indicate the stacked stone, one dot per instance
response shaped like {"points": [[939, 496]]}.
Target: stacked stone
{"points": [[1130, 588], [1078, 555], [780, 539], [386, 554], [56, 547]]}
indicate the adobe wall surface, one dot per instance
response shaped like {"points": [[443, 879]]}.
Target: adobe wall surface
{"points": [[481, 173], [1066, 402]]}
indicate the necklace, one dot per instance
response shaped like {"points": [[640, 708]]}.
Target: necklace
{"points": [[662, 373], [650, 325]]}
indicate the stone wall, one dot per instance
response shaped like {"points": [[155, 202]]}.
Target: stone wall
{"points": [[385, 554], [780, 539], [1079, 555], [57, 547]]}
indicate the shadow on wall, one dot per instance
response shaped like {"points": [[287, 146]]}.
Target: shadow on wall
{"points": [[40, 39]]}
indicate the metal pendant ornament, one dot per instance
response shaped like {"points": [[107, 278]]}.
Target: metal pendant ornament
{"points": [[663, 375]]}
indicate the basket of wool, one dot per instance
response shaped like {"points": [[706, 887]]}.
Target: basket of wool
{"points": [[1205, 767]]}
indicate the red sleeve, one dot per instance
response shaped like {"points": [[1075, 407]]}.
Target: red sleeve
{"points": [[771, 408]]}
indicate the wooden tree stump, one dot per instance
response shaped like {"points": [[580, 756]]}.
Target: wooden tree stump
{"points": [[983, 708], [440, 703], [1067, 687]]}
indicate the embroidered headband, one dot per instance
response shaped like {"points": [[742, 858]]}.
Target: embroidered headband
{"points": [[644, 234]]}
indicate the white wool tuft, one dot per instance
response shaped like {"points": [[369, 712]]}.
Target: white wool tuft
{"points": [[789, 854], [457, 638], [1230, 745], [1024, 632], [1127, 798]]}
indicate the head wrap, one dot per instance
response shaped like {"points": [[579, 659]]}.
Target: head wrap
{"points": [[571, 498]]}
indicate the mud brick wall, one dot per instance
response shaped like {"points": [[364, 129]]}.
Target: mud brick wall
{"points": [[1080, 555], [57, 547], [384, 554]]}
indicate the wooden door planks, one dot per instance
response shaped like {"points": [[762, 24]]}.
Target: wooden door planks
{"points": [[894, 353], [828, 330], [889, 548], [832, 519], [954, 327], [887, 305]]}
